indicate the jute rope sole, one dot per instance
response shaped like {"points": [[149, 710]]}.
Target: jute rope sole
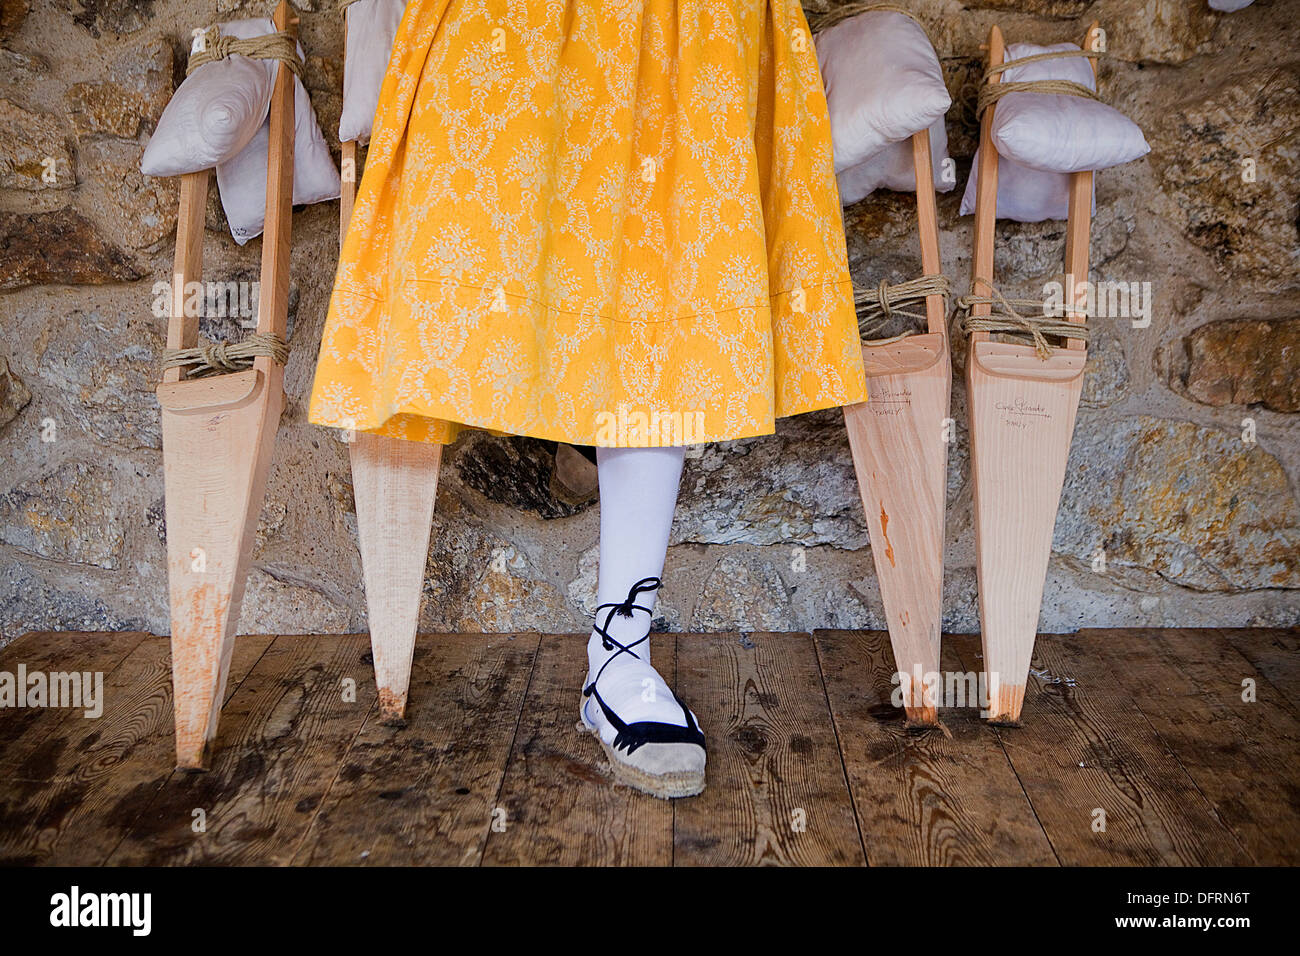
{"points": [[667, 786]]}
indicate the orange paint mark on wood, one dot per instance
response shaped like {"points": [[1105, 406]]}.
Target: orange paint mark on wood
{"points": [[884, 530], [208, 604]]}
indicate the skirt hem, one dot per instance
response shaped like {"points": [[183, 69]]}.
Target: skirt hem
{"points": [[432, 429]]}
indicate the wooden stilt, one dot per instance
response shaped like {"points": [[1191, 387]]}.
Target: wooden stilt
{"points": [[900, 453], [218, 438], [347, 188], [1022, 413], [394, 485]]}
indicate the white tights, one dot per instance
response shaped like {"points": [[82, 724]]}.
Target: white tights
{"points": [[638, 493]]}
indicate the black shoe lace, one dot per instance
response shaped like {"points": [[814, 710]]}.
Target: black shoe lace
{"points": [[633, 736]]}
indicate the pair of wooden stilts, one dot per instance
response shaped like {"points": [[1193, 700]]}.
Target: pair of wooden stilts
{"points": [[1022, 408], [219, 434]]}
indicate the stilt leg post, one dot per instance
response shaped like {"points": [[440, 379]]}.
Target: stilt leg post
{"points": [[218, 438], [394, 484], [900, 453], [1022, 413]]}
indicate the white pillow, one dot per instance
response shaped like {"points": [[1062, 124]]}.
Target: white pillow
{"points": [[1024, 194], [1039, 192], [1057, 132], [891, 168], [242, 180], [372, 28], [1230, 6], [883, 83], [215, 111]]}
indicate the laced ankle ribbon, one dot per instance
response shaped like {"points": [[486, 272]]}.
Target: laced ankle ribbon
{"points": [[272, 46], [633, 736], [875, 307], [218, 358], [1036, 321]]}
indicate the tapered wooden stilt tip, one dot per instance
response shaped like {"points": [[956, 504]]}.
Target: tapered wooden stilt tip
{"points": [[1005, 710], [194, 759], [922, 717], [392, 707]]}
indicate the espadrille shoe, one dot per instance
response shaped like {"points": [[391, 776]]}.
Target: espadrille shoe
{"points": [[656, 745]]}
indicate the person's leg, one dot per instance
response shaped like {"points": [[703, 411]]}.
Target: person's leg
{"points": [[638, 494], [649, 736]]}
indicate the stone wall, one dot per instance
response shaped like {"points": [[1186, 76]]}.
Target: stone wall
{"points": [[1199, 527]]}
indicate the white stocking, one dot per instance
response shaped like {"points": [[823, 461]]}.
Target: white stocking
{"points": [[638, 493]]}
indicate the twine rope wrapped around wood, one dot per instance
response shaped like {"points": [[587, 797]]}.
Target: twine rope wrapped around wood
{"points": [[990, 93], [218, 358], [875, 307], [273, 46], [1011, 321], [820, 21]]}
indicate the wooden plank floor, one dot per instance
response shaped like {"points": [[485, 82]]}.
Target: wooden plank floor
{"points": [[1138, 747]]}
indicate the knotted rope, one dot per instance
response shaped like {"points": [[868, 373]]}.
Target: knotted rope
{"points": [[218, 358], [990, 93], [1012, 321], [875, 307], [825, 20], [273, 46]]}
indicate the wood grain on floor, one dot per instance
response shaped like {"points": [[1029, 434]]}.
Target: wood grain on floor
{"points": [[1137, 747]]}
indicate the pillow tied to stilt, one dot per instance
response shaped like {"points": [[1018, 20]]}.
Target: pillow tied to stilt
{"points": [[219, 358], [273, 46], [990, 93], [1036, 321], [876, 307]]}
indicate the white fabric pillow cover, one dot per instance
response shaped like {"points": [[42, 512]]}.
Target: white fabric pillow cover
{"points": [[891, 168], [215, 111], [372, 28], [1059, 133], [883, 83], [1230, 6], [242, 180], [1041, 138], [1025, 194]]}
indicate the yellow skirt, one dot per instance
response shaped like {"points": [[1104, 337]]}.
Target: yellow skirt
{"points": [[605, 223]]}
